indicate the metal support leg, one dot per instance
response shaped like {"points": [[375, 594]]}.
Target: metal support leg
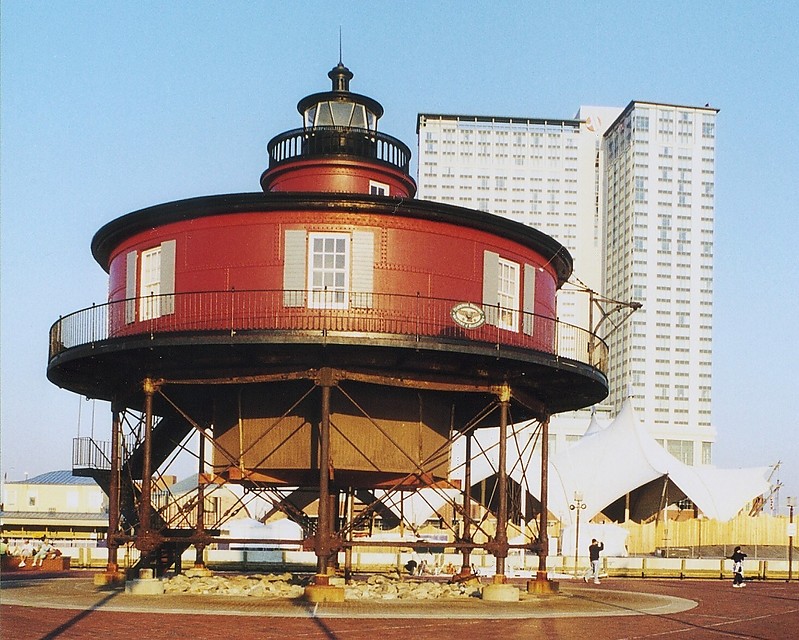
{"points": [[543, 536], [114, 490], [350, 516], [145, 500], [322, 590], [466, 564], [199, 548], [501, 537], [323, 527]]}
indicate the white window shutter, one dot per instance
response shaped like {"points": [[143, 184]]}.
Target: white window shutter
{"points": [[363, 266], [490, 286], [294, 268], [528, 302], [130, 286], [167, 277]]}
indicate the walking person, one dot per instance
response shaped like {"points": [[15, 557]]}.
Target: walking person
{"points": [[593, 555], [737, 558]]}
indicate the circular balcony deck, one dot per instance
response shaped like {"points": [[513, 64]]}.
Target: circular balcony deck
{"points": [[228, 336]]}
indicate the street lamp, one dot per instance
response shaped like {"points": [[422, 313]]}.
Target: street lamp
{"points": [[578, 505], [791, 501]]}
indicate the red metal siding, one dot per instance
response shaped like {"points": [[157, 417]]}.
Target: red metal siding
{"points": [[336, 176], [243, 251], [421, 260]]}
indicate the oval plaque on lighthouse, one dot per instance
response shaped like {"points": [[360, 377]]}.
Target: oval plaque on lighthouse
{"points": [[468, 315]]}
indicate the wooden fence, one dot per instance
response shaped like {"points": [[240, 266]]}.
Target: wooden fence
{"points": [[689, 536]]}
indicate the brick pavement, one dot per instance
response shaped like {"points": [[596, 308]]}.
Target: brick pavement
{"points": [[72, 608]]}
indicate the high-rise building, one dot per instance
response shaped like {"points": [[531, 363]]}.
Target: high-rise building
{"points": [[629, 192]]}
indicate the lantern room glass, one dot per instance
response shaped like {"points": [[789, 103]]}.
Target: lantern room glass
{"points": [[336, 113]]}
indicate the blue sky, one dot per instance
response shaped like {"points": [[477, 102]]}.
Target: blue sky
{"points": [[108, 107]]}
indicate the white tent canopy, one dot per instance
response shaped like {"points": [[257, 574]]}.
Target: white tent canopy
{"points": [[608, 464], [249, 528]]}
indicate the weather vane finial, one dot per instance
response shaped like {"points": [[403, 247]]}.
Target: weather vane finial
{"points": [[339, 45]]}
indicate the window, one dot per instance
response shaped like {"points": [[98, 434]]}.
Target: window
{"points": [[150, 290], [328, 270], [508, 295], [683, 450], [154, 273], [336, 269], [501, 282], [378, 188], [707, 453], [72, 500], [339, 114]]}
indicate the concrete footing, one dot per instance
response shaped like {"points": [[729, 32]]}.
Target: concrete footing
{"points": [[146, 585], [109, 579], [543, 587], [500, 593], [324, 593]]}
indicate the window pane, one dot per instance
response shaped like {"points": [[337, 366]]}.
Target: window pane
{"points": [[359, 116], [310, 114], [342, 112], [324, 118]]}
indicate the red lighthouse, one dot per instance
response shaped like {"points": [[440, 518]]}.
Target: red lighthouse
{"points": [[331, 335]]}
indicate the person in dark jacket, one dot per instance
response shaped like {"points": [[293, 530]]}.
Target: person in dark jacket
{"points": [[737, 558], [593, 555]]}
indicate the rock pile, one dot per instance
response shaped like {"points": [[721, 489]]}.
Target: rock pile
{"points": [[387, 587], [255, 585], [285, 585]]}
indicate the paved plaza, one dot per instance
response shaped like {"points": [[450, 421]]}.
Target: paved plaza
{"points": [[73, 607]]}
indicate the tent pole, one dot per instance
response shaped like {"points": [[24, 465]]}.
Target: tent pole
{"points": [[627, 507]]}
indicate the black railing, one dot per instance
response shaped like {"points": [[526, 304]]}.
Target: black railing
{"points": [[323, 313], [320, 141], [88, 453]]}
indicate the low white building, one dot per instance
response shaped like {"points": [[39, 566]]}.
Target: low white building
{"points": [[56, 504]]}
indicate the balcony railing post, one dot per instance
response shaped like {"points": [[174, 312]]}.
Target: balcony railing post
{"points": [[417, 314], [232, 301]]}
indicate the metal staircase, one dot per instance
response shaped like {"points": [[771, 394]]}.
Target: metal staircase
{"points": [[92, 459]]}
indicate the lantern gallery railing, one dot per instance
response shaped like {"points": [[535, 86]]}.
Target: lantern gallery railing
{"points": [[316, 141], [327, 313]]}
